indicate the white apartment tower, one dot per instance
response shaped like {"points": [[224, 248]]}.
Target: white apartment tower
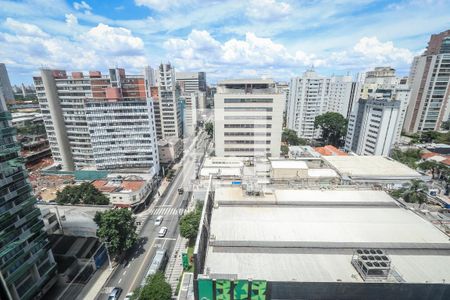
{"points": [[430, 86], [169, 96], [307, 100], [248, 118], [98, 121], [341, 94], [373, 127]]}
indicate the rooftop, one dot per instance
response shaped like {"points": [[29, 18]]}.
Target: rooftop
{"points": [[288, 164], [370, 167], [310, 236], [114, 186]]}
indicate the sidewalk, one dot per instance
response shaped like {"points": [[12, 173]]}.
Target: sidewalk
{"points": [[175, 266], [93, 289]]}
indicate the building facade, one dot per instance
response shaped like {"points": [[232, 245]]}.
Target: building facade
{"points": [[248, 118], [6, 91], [430, 86], [117, 104], [169, 95], [190, 82], [307, 100], [341, 94], [372, 127], [27, 266]]}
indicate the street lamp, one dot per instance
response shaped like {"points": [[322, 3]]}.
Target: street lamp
{"points": [[107, 254]]}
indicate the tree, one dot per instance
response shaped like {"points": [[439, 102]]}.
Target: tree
{"points": [[189, 223], [84, 193], [429, 136], [432, 166], [408, 157], [290, 138], [116, 227], [445, 125], [284, 150], [415, 193], [333, 126], [155, 288], [209, 128]]}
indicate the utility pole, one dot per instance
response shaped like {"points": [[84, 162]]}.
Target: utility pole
{"points": [[107, 253]]}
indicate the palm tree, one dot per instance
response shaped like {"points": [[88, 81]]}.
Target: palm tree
{"points": [[416, 192]]}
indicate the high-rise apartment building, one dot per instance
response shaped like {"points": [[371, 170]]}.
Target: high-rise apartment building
{"points": [[341, 94], [379, 78], [117, 106], [372, 126], [168, 96], [248, 118], [430, 86], [27, 266], [307, 100]]}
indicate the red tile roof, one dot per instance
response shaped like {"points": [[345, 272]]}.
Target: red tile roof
{"points": [[330, 150]]}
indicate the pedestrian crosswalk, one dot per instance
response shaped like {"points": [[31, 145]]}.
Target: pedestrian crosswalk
{"points": [[166, 211]]}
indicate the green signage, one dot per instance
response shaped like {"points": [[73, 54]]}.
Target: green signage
{"points": [[205, 289], [223, 289], [259, 288], [240, 290], [185, 258]]}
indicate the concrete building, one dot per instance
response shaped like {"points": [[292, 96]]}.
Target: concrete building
{"points": [[430, 86], [191, 82], [372, 127], [87, 115], [170, 150], [248, 118], [341, 94], [317, 244], [307, 100], [6, 91], [169, 96], [380, 78], [27, 266]]}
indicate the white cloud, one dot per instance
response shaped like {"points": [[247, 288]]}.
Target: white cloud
{"points": [[267, 10], [161, 5], [201, 50], [100, 47], [82, 6], [71, 20], [24, 28], [371, 47]]}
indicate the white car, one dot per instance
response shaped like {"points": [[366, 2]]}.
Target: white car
{"points": [[159, 220], [162, 232]]}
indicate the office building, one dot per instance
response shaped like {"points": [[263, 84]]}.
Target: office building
{"points": [[372, 127], [190, 114], [316, 244], [380, 78], [6, 91], [169, 96], [94, 120], [190, 82], [248, 118], [430, 86], [307, 100], [27, 266]]}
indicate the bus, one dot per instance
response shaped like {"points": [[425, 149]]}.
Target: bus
{"points": [[158, 264]]}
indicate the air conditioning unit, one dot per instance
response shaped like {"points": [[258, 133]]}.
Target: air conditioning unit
{"points": [[371, 264]]}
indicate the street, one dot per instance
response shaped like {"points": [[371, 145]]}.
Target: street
{"points": [[129, 275]]}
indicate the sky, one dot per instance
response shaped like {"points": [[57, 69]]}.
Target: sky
{"points": [[226, 39]]}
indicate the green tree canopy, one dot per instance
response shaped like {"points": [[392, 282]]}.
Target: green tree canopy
{"points": [[290, 138], [209, 128], [116, 227], [416, 192], [408, 157], [333, 126], [155, 288], [84, 193], [189, 224]]}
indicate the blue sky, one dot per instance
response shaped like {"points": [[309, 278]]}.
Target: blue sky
{"points": [[236, 38]]}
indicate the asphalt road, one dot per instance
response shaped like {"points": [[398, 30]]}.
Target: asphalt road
{"points": [[129, 274]]}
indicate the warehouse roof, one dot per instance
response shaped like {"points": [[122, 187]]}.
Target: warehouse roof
{"points": [[370, 167]]}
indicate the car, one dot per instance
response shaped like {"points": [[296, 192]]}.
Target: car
{"points": [[115, 293], [162, 232], [180, 191], [158, 220], [128, 296]]}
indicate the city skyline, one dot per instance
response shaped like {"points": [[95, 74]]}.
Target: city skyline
{"points": [[272, 38]]}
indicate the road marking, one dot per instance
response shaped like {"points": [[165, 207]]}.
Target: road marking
{"points": [[119, 281], [166, 239], [124, 272], [143, 264]]}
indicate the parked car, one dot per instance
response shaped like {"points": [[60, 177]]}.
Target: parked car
{"points": [[162, 232], [180, 191], [159, 220], [115, 293]]}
